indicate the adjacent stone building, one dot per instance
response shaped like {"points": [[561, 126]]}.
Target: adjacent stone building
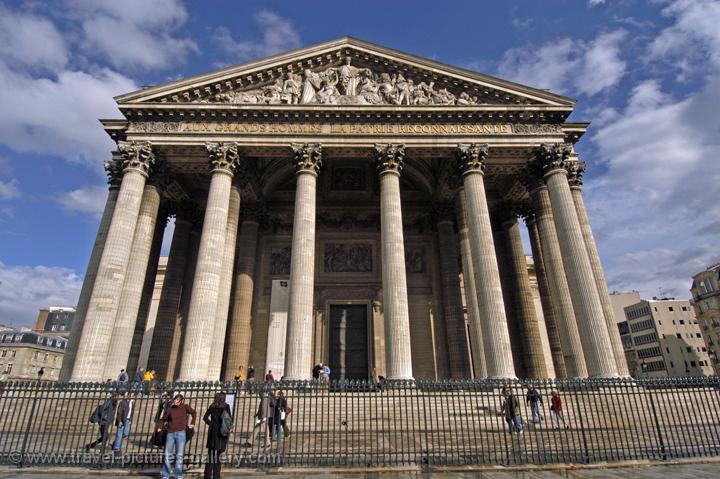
{"points": [[705, 291], [23, 353], [336, 204], [663, 339], [56, 320]]}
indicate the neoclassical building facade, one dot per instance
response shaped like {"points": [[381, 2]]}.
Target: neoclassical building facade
{"points": [[348, 204]]}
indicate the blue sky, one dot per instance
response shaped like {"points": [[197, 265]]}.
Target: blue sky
{"points": [[645, 72]]}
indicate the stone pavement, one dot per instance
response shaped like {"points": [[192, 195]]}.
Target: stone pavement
{"points": [[680, 470]]}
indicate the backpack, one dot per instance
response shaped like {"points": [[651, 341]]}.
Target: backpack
{"points": [[226, 423], [97, 414]]}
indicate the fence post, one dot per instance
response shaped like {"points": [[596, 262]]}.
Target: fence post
{"points": [[28, 428], [586, 453], [661, 442]]}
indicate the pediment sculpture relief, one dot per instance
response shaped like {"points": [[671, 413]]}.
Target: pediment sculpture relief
{"points": [[347, 85]]}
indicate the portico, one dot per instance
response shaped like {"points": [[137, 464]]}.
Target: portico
{"points": [[337, 204]]}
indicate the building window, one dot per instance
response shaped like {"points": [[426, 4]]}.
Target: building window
{"points": [[697, 335], [3, 353], [688, 349], [18, 338], [13, 353], [682, 321], [672, 365], [684, 308], [692, 364], [46, 356], [670, 308], [678, 335], [8, 369], [667, 350]]}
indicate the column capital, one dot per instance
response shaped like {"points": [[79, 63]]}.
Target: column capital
{"points": [[136, 155], [575, 173], [552, 157], [113, 169], [307, 157], [390, 158], [472, 158], [223, 156]]}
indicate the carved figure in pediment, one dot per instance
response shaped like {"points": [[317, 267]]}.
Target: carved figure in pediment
{"points": [[329, 93], [403, 90], [369, 91], [272, 94], [443, 97], [292, 88], [350, 77], [465, 99], [311, 85], [387, 88], [422, 94]]}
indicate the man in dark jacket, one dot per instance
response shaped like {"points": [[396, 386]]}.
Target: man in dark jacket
{"points": [[511, 411], [103, 415], [123, 420], [534, 399]]}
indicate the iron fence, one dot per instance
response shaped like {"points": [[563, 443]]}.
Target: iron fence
{"points": [[426, 423]]}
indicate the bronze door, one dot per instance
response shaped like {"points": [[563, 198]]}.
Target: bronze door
{"points": [[348, 355]]}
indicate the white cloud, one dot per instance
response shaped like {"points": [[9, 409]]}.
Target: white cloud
{"points": [[89, 199], [26, 289], [568, 65], [594, 3], [9, 189], [654, 211], [60, 116], [279, 35], [134, 34], [694, 34], [30, 41]]}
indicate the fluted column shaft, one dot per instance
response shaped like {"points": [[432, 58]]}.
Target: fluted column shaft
{"points": [[471, 297], [298, 347], [181, 317], [398, 355], [198, 340], [221, 315], [601, 283], [452, 301], [238, 346], [165, 330], [599, 357], [572, 349], [498, 353], [124, 327], [88, 284], [546, 300], [143, 316], [527, 321], [96, 337]]}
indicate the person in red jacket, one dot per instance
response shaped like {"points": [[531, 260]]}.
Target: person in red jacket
{"points": [[556, 409], [176, 419]]}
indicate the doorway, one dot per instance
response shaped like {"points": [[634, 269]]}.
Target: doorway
{"points": [[348, 351]]}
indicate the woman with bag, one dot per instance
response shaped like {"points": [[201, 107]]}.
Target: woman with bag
{"points": [[218, 417]]}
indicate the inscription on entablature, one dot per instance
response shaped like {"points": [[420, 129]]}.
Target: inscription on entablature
{"points": [[346, 128], [348, 258]]}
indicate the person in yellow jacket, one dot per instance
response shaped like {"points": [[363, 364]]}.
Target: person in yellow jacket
{"points": [[148, 378]]}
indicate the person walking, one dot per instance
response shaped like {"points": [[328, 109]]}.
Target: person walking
{"points": [[123, 422], [556, 410], [176, 419], [147, 379], [103, 416], [261, 420], [325, 375], [283, 411], [269, 378], [122, 378], [511, 410], [218, 418], [534, 399], [239, 374], [138, 379], [251, 372]]}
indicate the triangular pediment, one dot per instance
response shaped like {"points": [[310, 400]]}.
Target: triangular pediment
{"points": [[350, 72]]}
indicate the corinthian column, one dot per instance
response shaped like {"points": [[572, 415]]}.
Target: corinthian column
{"points": [[114, 177], [95, 341], [208, 270], [298, 348], [527, 321], [471, 297], [576, 189], [124, 328], [498, 354], [165, 331], [452, 300], [395, 300], [221, 315], [238, 347], [599, 356], [546, 299]]}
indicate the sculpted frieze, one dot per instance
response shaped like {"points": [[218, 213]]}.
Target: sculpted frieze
{"points": [[348, 258], [347, 85]]}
